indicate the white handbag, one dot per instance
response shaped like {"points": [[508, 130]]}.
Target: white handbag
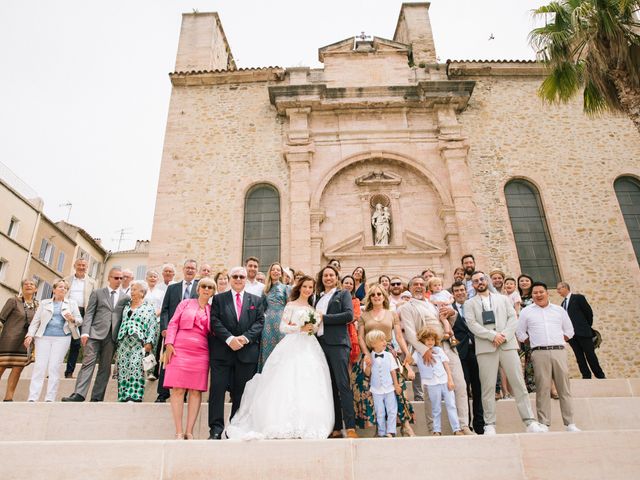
{"points": [[148, 362]]}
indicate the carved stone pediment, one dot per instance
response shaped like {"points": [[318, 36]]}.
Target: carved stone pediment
{"points": [[413, 245], [378, 178], [354, 46]]}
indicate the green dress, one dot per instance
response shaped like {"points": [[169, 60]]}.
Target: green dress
{"points": [[139, 327], [274, 303]]}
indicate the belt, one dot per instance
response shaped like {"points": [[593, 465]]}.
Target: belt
{"points": [[551, 347]]}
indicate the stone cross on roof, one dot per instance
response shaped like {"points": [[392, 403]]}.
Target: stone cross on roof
{"points": [[363, 36]]}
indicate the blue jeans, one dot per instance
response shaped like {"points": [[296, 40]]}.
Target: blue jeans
{"points": [[386, 407], [437, 393]]}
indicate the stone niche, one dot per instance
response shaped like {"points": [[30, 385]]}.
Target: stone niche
{"points": [[417, 233]]}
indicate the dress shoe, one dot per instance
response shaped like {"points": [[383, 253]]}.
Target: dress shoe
{"points": [[161, 400], [74, 397], [467, 431], [215, 436], [95, 400], [68, 375], [336, 434], [351, 433], [10, 400], [458, 432]]}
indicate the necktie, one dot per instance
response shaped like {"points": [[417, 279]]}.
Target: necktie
{"points": [[461, 309], [564, 303], [113, 292], [238, 305], [378, 355], [186, 291]]}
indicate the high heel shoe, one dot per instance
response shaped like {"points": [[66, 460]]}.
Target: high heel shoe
{"points": [[179, 436], [188, 436]]}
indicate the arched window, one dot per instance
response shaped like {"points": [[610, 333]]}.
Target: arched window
{"points": [[262, 225], [531, 233], [628, 193]]}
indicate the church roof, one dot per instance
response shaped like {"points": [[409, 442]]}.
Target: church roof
{"points": [[249, 69]]}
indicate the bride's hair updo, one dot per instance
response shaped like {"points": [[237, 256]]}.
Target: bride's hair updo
{"points": [[295, 292]]}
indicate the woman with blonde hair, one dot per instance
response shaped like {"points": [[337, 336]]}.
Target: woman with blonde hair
{"points": [[378, 316], [53, 324], [15, 317], [274, 300]]}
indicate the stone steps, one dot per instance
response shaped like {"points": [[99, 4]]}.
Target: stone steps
{"points": [[615, 387], [514, 457], [58, 421]]}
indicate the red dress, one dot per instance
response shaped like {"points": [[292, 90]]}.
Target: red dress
{"points": [[188, 332]]}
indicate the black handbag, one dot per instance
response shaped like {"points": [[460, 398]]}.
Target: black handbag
{"points": [[596, 336]]}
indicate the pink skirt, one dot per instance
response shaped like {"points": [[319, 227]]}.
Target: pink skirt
{"points": [[189, 366]]}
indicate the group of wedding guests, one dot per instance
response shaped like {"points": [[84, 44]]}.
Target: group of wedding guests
{"points": [[351, 345]]}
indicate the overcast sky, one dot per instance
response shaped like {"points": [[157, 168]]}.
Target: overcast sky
{"points": [[84, 89]]}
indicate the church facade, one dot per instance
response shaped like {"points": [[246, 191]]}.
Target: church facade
{"points": [[386, 159]]}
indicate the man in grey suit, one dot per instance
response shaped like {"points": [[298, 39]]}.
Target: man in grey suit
{"points": [[99, 334], [492, 320]]}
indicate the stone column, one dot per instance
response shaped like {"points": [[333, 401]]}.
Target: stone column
{"points": [[453, 150], [397, 227], [299, 154], [317, 216]]}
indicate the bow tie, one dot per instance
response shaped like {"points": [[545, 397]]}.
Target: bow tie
{"points": [[378, 355]]}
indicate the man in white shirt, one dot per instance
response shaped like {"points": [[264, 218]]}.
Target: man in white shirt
{"points": [[168, 274], [127, 278], [548, 327], [253, 286], [395, 290], [80, 288]]}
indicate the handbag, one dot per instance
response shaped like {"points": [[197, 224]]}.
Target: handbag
{"points": [[596, 336], [149, 361]]}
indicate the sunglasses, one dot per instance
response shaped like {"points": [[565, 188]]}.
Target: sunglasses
{"points": [[238, 277], [396, 284], [117, 278], [207, 287], [377, 294]]}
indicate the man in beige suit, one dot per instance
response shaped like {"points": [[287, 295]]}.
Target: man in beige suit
{"points": [[80, 288], [492, 320], [416, 314]]}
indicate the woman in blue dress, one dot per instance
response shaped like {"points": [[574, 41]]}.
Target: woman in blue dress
{"points": [[360, 287], [274, 300]]}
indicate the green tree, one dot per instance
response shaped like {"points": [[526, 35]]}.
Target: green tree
{"points": [[593, 46]]}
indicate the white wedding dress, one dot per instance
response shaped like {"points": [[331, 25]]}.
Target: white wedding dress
{"points": [[292, 397]]}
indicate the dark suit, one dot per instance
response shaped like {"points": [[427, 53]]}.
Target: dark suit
{"points": [[336, 345], [232, 368], [172, 298], [581, 317], [467, 353]]}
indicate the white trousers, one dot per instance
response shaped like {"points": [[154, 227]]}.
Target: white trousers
{"points": [[50, 352]]}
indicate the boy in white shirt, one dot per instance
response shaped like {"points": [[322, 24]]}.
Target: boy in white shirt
{"points": [[383, 383], [437, 381]]}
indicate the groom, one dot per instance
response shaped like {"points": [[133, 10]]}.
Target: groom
{"points": [[337, 311], [237, 319]]}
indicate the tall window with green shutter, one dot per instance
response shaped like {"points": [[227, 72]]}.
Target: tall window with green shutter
{"points": [[628, 193], [531, 233], [262, 225]]}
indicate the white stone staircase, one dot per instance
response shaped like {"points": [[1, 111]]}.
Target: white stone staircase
{"points": [[113, 440]]}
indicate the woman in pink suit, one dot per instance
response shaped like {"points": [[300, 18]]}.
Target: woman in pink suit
{"points": [[187, 356]]}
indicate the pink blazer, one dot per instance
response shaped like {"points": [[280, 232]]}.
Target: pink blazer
{"points": [[184, 318]]}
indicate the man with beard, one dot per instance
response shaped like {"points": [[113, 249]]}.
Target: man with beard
{"points": [[492, 320], [395, 290], [469, 266]]}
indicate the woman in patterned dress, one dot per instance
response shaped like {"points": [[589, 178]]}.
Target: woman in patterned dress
{"points": [[524, 289], [378, 316], [274, 301], [137, 336], [15, 317]]}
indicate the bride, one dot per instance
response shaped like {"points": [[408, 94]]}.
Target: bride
{"points": [[292, 396]]}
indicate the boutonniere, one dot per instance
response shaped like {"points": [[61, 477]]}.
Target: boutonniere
{"points": [[252, 307]]}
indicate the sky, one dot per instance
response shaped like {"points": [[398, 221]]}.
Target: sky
{"points": [[84, 89]]}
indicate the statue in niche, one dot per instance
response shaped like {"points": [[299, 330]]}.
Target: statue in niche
{"points": [[381, 222]]}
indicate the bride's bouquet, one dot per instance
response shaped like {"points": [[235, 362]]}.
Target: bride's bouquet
{"points": [[311, 319]]}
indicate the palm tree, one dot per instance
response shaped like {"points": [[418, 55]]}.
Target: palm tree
{"points": [[593, 45]]}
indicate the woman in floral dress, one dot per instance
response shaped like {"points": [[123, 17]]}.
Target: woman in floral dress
{"points": [[274, 300], [138, 335]]}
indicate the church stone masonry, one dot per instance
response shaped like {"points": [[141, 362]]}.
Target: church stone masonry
{"points": [[384, 123]]}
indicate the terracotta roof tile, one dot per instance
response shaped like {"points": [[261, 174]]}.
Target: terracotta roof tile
{"points": [[250, 69]]}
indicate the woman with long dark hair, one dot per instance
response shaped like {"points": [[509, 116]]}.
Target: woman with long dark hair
{"points": [[360, 277]]}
